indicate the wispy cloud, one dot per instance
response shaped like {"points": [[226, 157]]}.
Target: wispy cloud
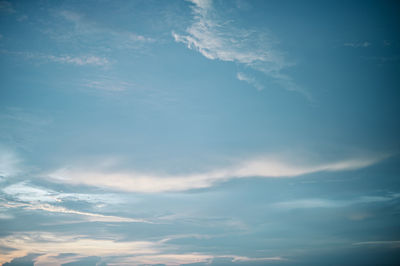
{"points": [[358, 44], [76, 28], [216, 38], [79, 60], [30, 197], [252, 81], [267, 167], [327, 203], [247, 259], [20, 115], [27, 193], [390, 243], [220, 40], [9, 163], [19, 127], [87, 216], [107, 84], [183, 259]]}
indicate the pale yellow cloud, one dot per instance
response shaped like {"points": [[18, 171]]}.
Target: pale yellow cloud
{"points": [[54, 244], [50, 245], [87, 216], [266, 167]]}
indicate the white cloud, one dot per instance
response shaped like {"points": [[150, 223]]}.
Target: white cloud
{"points": [[326, 203], [79, 60], [87, 216], [9, 163], [183, 259], [266, 167], [252, 81], [108, 84], [24, 192], [102, 37], [306, 204], [36, 198], [219, 39], [166, 259], [247, 259]]}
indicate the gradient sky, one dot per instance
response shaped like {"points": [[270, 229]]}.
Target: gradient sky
{"points": [[199, 132]]}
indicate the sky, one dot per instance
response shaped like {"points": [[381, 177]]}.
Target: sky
{"points": [[225, 132]]}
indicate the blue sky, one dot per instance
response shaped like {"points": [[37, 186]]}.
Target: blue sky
{"points": [[199, 133]]}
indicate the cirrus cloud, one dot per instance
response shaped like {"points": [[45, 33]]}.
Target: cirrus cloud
{"points": [[266, 167]]}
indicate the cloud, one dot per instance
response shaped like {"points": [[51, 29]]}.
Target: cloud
{"points": [[247, 259], [358, 44], [36, 198], [108, 84], [24, 192], [166, 259], [76, 28], [393, 243], [9, 163], [243, 77], [219, 39], [306, 204], [183, 259], [53, 244], [114, 252], [87, 216], [27, 260], [14, 114], [326, 203], [81, 60], [266, 167]]}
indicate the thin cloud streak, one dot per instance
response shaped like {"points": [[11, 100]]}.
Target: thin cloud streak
{"points": [[153, 183], [84, 29], [390, 243], [87, 216], [358, 44], [79, 60], [326, 203]]}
